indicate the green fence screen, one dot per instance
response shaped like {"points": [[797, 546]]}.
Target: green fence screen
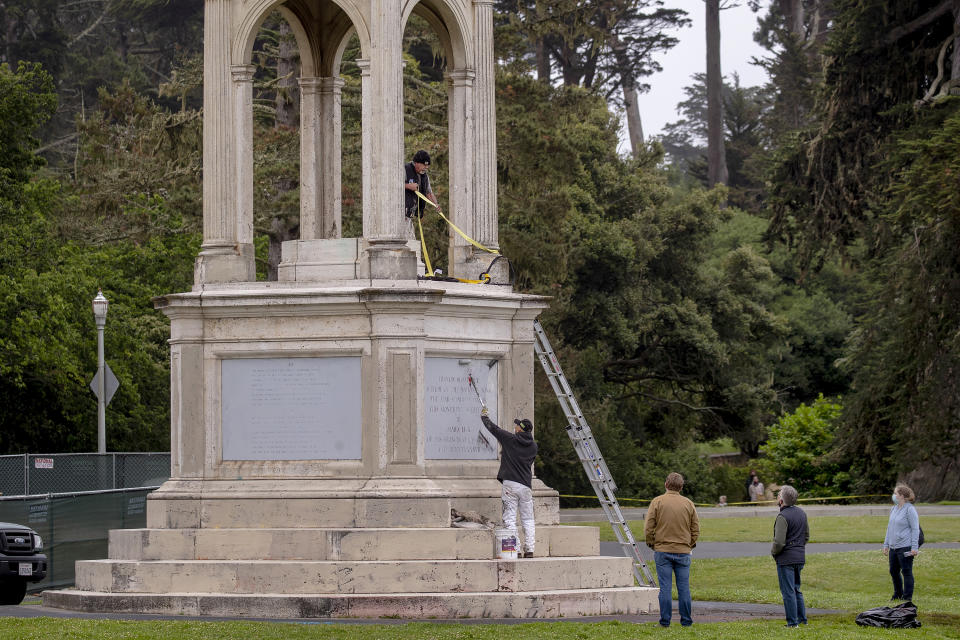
{"points": [[74, 526]]}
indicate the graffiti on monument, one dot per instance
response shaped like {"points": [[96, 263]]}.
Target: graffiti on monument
{"points": [[452, 410]]}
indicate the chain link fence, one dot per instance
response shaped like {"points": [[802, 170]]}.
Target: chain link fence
{"points": [[73, 500], [35, 474]]}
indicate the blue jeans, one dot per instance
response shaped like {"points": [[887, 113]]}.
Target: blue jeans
{"points": [[667, 565], [789, 577], [901, 564]]}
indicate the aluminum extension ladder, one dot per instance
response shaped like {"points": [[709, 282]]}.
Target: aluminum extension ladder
{"points": [[589, 454]]}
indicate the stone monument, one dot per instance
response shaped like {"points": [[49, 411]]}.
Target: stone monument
{"points": [[322, 426]]}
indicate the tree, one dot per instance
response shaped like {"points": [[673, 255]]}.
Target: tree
{"points": [[47, 349], [663, 344], [905, 353], [606, 47], [716, 158], [800, 446], [745, 138], [873, 181], [794, 33], [824, 182], [816, 313], [136, 172], [26, 102], [93, 44]]}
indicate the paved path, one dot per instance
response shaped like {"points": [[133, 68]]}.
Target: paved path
{"points": [[637, 513], [745, 549]]}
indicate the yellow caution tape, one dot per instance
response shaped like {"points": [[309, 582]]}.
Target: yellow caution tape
{"points": [[455, 227], [618, 499], [423, 248], [820, 499], [426, 259]]}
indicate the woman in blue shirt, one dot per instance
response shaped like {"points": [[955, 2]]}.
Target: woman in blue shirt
{"points": [[901, 542]]}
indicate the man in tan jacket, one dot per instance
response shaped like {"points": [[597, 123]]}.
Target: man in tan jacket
{"points": [[671, 530]]}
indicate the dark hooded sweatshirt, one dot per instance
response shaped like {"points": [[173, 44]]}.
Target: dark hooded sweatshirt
{"points": [[519, 451]]}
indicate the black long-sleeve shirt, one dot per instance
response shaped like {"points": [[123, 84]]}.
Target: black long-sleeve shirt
{"points": [[519, 452]]}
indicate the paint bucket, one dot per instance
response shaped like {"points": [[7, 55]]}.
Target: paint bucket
{"points": [[506, 544]]}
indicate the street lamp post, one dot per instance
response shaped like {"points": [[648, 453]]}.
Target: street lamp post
{"points": [[100, 305]]}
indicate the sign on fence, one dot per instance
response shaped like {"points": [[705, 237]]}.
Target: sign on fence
{"points": [[43, 463]]}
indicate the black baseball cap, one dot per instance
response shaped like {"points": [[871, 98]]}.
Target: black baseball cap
{"points": [[525, 424]]}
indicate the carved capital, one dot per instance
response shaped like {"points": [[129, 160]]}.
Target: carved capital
{"points": [[461, 77], [242, 72]]}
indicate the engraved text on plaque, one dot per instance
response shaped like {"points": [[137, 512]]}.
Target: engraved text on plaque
{"points": [[291, 408], [452, 410]]}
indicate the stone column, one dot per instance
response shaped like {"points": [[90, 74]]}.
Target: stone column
{"points": [[461, 135], [330, 156], [389, 257], [485, 229], [243, 124], [222, 258], [311, 177], [320, 158], [366, 132]]}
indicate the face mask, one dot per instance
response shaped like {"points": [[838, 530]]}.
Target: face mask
{"points": [[895, 500]]}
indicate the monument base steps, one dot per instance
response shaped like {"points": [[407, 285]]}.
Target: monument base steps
{"points": [[530, 604], [340, 577], [361, 573], [338, 544]]}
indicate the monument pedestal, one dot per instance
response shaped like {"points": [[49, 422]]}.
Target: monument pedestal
{"points": [[320, 437]]}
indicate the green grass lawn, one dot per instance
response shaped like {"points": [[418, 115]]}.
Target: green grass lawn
{"points": [[822, 529], [824, 628], [720, 445], [853, 581]]}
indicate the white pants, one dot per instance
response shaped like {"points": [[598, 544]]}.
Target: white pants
{"points": [[516, 495]]}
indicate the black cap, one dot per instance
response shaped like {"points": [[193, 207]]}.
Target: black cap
{"points": [[422, 157], [524, 424]]}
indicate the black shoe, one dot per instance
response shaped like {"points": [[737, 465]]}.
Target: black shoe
{"points": [[527, 554]]}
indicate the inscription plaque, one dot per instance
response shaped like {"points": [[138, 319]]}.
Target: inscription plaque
{"points": [[452, 426], [291, 408]]}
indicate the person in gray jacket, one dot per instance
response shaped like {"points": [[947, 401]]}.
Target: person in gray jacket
{"points": [[790, 536], [902, 542], [516, 476]]}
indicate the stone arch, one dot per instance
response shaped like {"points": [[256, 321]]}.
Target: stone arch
{"points": [[458, 40], [338, 37], [448, 21], [312, 42]]}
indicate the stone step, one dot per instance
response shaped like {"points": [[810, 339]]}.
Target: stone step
{"points": [[326, 577], [530, 604], [337, 544]]}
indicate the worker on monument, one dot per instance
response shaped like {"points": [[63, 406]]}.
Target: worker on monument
{"points": [[416, 180], [516, 476]]}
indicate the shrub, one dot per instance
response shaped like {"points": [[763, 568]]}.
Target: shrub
{"points": [[798, 450]]}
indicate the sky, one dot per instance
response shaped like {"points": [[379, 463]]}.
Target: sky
{"points": [[658, 106]]}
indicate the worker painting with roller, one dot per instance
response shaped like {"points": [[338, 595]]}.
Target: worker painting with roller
{"points": [[516, 473]]}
